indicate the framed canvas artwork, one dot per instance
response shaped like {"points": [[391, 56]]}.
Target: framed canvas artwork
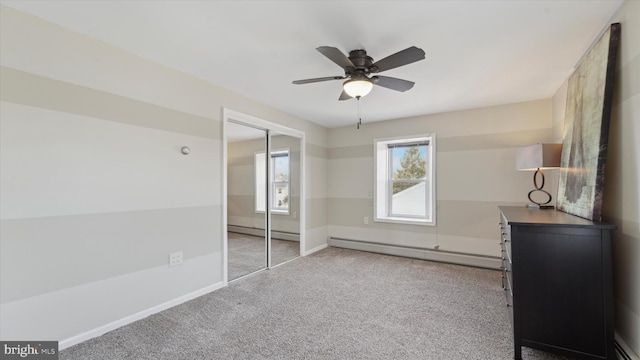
{"points": [[586, 129]]}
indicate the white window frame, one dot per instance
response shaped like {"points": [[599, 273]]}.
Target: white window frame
{"points": [[260, 187], [383, 180]]}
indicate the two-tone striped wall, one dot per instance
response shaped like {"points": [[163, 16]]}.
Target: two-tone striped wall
{"points": [[316, 174], [94, 189], [475, 172], [95, 192], [622, 178]]}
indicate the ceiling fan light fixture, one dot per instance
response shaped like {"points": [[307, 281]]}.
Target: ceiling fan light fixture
{"points": [[357, 88]]}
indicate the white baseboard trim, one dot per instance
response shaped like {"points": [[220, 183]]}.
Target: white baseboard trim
{"points": [[315, 249], [623, 351], [483, 261], [280, 235], [74, 340]]}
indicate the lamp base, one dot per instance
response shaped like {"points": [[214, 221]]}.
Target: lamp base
{"points": [[541, 207]]}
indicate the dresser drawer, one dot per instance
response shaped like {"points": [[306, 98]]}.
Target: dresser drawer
{"points": [[505, 249], [506, 266], [507, 278], [506, 252], [508, 292]]}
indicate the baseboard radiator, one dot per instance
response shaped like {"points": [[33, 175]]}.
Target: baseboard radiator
{"points": [[279, 235], [488, 262]]}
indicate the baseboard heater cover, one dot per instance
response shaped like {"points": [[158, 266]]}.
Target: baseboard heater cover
{"points": [[280, 235], [482, 261]]}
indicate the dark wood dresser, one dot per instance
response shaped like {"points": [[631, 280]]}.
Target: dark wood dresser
{"points": [[556, 273]]}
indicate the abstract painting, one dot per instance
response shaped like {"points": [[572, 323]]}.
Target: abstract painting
{"points": [[586, 129]]}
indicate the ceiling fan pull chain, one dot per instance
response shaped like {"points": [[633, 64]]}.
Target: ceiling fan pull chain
{"points": [[359, 117]]}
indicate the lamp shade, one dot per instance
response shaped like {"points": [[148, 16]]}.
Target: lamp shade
{"points": [[539, 156], [357, 87]]}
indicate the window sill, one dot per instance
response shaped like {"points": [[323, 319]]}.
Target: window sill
{"points": [[406, 221]]}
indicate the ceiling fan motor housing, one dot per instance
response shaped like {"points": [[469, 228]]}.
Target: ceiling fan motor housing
{"points": [[361, 61]]}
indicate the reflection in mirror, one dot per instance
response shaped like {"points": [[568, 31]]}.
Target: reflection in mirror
{"points": [[285, 201], [246, 200]]}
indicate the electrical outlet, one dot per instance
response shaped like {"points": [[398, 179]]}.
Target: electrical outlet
{"points": [[295, 215], [366, 220], [175, 259]]}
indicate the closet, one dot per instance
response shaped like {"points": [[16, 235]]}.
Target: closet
{"points": [[263, 168]]}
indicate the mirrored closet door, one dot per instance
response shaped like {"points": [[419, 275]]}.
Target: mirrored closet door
{"points": [[285, 201], [247, 174], [263, 198]]}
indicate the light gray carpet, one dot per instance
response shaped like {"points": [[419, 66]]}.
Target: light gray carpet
{"points": [[335, 304], [247, 254]]}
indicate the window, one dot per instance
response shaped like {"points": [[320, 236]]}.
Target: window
{"points": [[404, 184], [278, 179]]}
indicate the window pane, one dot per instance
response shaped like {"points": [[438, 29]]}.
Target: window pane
{"points": [[410, 201], [409, 162], [281, 168], [261, 183], [279, 182], [280, 199], [281, 196]]}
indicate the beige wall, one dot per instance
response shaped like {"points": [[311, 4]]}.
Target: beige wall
{"points": [[92, 203], [475, 173], [95, 192], [622, 178]]}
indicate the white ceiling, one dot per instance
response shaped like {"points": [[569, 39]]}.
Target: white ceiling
{"points": [[478, 53]]}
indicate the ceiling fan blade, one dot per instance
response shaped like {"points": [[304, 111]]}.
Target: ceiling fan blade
{"points": [[327, 78], [344, 96], [404, 57], [336, 56], [393, 83]]}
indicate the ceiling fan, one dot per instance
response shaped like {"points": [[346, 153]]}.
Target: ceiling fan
{"points": [[358, 66]]}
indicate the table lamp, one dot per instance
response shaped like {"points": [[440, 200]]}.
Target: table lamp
{"points": [[536, 158]]}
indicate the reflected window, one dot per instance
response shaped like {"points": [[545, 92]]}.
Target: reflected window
{"points": [[278, 180]]}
